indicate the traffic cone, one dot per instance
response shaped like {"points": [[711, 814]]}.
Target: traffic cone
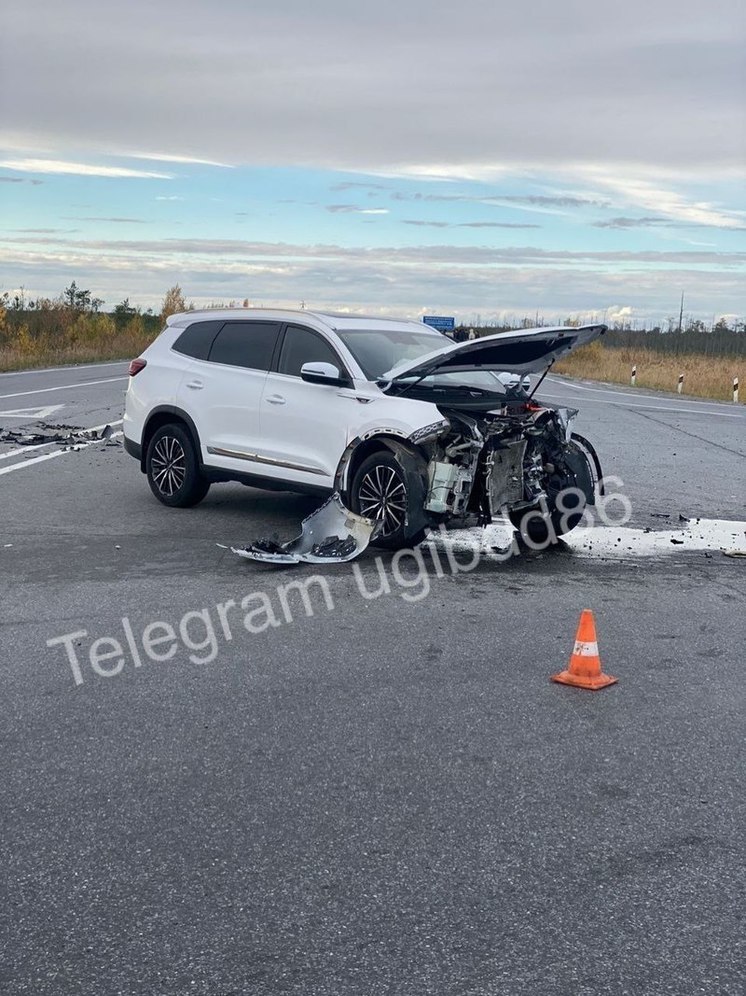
{"points": [[584, 669]]}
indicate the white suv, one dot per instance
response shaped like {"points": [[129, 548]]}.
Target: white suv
{"points": [[409, 428]]}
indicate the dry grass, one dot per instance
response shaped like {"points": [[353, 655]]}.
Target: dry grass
{"points": [[94, 338], [704, 376]]}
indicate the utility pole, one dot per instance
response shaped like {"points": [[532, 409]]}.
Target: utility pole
{"points": [[681, 313]]}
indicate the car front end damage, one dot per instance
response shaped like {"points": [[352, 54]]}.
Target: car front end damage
{"points": [[522, 459], [524, 464], [495, 453]]}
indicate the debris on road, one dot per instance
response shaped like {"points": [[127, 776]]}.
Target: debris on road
{"points": [[330, 535], [62, 435]]}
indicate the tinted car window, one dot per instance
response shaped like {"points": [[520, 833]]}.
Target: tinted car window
{"points": [[196, 339], [246, 344], [378, 350], [303, 346]]}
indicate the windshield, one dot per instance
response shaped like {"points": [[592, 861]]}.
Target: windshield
{"points": [[378, 350]]}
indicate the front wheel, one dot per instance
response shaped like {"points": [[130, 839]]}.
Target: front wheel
{"points": [[571, 488], [172, 467], [379, 491]]}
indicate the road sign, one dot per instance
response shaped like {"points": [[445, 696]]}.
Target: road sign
{"points": [[440, 322]]}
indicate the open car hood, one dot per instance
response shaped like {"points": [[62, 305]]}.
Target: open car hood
{"points": [[522, 352]]}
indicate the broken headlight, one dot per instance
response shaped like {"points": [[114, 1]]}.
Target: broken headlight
{"points": [[429, 431]]}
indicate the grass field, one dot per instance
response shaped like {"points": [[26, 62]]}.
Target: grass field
{"points": [[704, 376], [91, 339]]}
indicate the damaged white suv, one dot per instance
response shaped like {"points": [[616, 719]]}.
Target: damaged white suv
{"points": [[408, 428]]}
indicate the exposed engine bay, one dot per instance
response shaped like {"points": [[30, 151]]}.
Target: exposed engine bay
{"points": [[502, 463]]}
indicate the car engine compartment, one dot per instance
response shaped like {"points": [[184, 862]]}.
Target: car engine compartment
{"points": [[491, 464]]}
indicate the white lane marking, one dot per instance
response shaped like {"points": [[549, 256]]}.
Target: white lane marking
{"points": [[40, 446], [58, 453], [654, 408], [63, 387], [75, 366], [31, 414], [624, 394]]}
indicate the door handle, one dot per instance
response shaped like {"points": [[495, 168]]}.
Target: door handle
{"points": [[195, 385], [276, 399]]}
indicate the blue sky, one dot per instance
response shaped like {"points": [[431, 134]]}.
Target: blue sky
{"points": [[380, 182]]}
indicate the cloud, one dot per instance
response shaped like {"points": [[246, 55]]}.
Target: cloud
{"points": [[77, 169], [494, 224], [500, 200], [171, 158], [639, 190], [354, 209], [117, 221], [442, 279], [173, 197], [328, 85], [171, 252], [644, 222], [556, 200], [466, 224], [20, 179]]}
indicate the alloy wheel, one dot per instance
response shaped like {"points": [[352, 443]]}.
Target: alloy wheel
{"points": [[383, 497], [168, 465]]}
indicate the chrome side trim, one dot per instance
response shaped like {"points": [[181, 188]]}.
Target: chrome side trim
{"points": [[255, 458]]}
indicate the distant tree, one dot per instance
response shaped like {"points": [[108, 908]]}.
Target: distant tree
{"points": [[173, 302], [124, 312], [77, 299]]}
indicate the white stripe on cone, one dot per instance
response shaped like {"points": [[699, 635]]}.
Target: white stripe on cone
{"points": [[582, 649]]}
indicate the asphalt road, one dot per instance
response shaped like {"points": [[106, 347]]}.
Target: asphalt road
{"points": [[388, 795]]}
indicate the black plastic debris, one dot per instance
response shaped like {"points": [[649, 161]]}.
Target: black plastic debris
{"points": [[335, 548], [331, 534], [62, 435]]}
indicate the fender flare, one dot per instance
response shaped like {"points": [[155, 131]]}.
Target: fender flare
{"points": [[180, 414]]}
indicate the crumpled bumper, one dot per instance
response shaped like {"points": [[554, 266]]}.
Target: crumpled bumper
{"points": [[330, 535]]}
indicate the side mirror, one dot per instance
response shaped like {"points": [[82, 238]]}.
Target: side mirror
{"points": [[323, 373]]}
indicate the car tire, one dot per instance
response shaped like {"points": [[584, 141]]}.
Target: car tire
{"points": [[575, 474], [379, 491], [172, 466]]}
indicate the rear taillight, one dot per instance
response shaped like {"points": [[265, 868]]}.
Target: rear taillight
{"points": [[136, 366]]}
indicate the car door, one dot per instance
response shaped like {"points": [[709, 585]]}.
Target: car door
{"points": [[305, 427], [223, 393]]}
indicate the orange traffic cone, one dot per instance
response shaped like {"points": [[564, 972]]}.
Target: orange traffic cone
{"points": [[584, 670]]}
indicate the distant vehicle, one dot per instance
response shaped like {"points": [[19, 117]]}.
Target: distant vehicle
{"points": [[409, 429]]}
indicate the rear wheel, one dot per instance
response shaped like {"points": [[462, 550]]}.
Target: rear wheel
{"points": [[172, 467], [379, 492]]}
